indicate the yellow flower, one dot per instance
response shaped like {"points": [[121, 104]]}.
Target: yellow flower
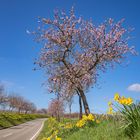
{"points": [[57, 138], [130, 101], [125, 101], [122, 101], [84, 117], [68, 125], [116, 97], [80, 123], [109, 103], [49, 138], [97, 121], [110, 112], [91, 117], [110, 109]]}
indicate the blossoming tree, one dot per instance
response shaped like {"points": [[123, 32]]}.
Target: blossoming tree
{"points": [[56, 108], [75, 50]]}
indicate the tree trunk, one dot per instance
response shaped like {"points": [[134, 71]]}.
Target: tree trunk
{"points": [[80, 106], [57, 112], [58, 115], [70, 109], [85, 103], [19, 110]]}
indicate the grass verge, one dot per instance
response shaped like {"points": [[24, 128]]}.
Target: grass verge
{"points": [[11, 119], [106, 130]]}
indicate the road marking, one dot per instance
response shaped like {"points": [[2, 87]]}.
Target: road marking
{"points": [[32, 138], [7, 135]]}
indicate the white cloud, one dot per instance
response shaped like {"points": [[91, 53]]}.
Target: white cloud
{"points": [[134, 87]]}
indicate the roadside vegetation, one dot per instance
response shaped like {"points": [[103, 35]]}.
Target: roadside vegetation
{"points": [[122, 121], [8, 119], [15, 109]]}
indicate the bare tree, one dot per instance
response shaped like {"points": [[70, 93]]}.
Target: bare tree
{"points": [[42, 111], [20, 104], [2, 94], [28, 107], [3, 97]]}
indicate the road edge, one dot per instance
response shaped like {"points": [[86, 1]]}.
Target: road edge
{"points": [[38, 131]]}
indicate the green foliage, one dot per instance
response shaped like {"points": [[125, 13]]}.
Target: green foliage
{"points": [[10, 119], [131, 119]]}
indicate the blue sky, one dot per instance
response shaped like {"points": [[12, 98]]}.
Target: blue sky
{"points": [[18, 50]]}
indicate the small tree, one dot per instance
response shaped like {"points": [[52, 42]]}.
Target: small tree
{"points": [[75, 51], [69, 100], [2, 94], [3, 97], [56, 108]]}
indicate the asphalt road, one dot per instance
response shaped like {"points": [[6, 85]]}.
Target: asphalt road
{"points": [[26, 131]]}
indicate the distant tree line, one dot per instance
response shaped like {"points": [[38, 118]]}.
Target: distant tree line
{"points": [[16, 103]]}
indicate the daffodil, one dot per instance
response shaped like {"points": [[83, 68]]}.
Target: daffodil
{"points": [[130, 101], [109, 103], [69, 125], [125, 101], [49, 138], [84, 117], [80, 123], [57, 138], [97, 121], [91, 117], [116, 97]]}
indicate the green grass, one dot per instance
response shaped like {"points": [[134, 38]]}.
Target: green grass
{"points": [[44, 131], [106, 130], [11, 119]]}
